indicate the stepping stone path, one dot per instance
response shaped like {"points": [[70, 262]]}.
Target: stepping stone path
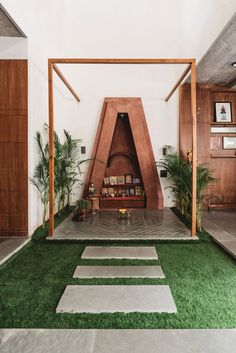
{"points": [[120, 252], [112, 299], [117, 298], [118, 272]]}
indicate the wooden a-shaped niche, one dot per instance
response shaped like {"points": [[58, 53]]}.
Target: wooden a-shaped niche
{"points": [[123, 144], [122, 156]]}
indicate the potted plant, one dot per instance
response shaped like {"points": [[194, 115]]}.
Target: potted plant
{"points": [[80, 210]]}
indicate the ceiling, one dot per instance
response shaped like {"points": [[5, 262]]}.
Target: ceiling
{"points": [[8, 27], [216, 64]]}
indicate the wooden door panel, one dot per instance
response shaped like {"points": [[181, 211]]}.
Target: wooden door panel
{"points": [[13, 148]]}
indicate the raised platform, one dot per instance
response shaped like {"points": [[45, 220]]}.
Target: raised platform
{"points": [[142, 225]]}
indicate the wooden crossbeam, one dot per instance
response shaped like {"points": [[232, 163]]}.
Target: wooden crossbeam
{"points": [[186, 71], [64, 80]]}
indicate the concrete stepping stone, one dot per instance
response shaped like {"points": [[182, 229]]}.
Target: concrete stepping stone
{"points": [[118, 272], [118, 298], [120, 252]]}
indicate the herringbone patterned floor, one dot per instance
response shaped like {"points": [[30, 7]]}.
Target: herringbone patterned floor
{"points": [[143, 224]]}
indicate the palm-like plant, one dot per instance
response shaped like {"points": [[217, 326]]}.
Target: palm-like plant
{"points": [[40, 178], [67, 168], [180, 176]]}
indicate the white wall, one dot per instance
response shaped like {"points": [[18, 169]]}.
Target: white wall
{"points": [[202, 22], [131, 28], [13, 48]]}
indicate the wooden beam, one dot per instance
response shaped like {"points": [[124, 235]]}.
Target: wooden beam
{"points": [[64, 80], [51, 149], [186, 71], [120, 61], [194, 148]]}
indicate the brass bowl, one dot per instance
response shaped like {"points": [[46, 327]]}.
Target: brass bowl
{"points": [[124, 213]]}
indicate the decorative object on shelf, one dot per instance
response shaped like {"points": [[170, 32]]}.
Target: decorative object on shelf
{"points": [[215, 143], [80, 210], [120, 180], [123, 213], [128, 178], [106, 181], [223, 129], [138, 190], [223, 112], [113, 180], [190, 156], [136, 180], [229, 142], [91, 189], [131, 192]]}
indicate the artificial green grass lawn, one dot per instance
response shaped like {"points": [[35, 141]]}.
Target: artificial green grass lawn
{"points": [[201, 276]]}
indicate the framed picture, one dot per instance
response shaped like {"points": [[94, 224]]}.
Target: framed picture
{"points": [[120, 180], [128, 178], [223, 112], [113, 180], [229, 143], [223, 129], [106, 181], [131, 192], [138, 190], [136, 180], [215, 143]]}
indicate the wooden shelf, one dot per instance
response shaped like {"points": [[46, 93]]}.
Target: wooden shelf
{"points": [[121, 185], [223, 124], [222, 156], [127, 198]]}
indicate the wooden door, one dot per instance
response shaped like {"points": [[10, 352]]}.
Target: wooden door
{"points": [[13, 148]]}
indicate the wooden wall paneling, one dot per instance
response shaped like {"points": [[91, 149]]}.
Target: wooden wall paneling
{"points": [[13, 148], [223, 162], [223, 192]]}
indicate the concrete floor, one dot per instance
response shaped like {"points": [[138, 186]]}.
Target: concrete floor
{"points": [[142, 225], [9, 246], [117, 341], [221, 224]]}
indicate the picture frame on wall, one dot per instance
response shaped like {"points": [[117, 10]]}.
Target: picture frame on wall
{"points": [[136, 181], [215, 143], [223, 112], [229, 142], [128, 178]]}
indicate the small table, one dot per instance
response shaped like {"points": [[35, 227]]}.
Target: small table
{"points": [[92, 200]]}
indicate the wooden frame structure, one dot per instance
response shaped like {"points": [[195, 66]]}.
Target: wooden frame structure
{"points": [[191, 66]]}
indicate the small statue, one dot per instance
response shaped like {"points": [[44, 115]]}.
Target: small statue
{"points": [[91, 189]]}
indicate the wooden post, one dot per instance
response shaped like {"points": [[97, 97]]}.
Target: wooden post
{"points": [[51, 148], [194, 148]]}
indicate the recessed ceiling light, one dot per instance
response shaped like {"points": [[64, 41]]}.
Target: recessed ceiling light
{"points": [[234, 64]]}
